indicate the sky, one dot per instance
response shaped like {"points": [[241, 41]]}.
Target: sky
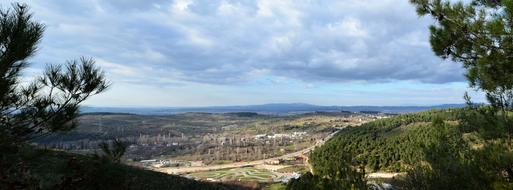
{"points": [[202, 53]]}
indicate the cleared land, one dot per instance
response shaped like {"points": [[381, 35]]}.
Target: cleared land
{"points": [[301, 153], [205, 137], [236, 174]]}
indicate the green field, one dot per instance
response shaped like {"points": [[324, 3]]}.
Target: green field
{"points": [[237, 174]]}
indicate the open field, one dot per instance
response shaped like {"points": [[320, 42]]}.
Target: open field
{"points": [[257, 170], [236, 174]]}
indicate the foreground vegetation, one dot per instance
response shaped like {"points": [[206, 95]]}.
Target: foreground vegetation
{"points": [[49, 169]]}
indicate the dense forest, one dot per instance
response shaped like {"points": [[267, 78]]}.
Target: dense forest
{"points": [[391, 144], [437, 149]]}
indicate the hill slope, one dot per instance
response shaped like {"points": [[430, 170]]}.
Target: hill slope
{"points": [[392, 144], [61, 170]]}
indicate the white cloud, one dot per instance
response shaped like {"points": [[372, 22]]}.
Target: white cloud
{"points": [[116, 68], [226, 8], [153, 55], [196, 37], [226, 41], [350, 27], [181, 5]]}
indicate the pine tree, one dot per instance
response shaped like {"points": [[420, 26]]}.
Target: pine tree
{"points": [[48, 104], [479, 35], [113, 151]]}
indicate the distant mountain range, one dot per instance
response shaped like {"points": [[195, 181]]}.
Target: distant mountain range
{"points": [[291, 108]]}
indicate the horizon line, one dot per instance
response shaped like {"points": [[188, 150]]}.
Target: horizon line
{"points": [[264, 104]]}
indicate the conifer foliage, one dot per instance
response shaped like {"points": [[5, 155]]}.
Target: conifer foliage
{"points": [[41, 106], [48, 103]]}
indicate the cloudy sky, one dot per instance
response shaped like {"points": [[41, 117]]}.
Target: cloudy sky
{"points": [[202, 53]]}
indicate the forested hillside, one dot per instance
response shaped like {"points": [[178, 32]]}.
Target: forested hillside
{"points": [[391, 144], [438, 149]]}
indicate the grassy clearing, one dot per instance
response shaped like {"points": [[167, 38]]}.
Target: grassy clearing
{"points": [[242, 174]]}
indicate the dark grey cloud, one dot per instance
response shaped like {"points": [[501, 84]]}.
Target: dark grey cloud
{"points": [[237, 41]]}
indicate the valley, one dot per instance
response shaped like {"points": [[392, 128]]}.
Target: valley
{"points": [[212, 146]]}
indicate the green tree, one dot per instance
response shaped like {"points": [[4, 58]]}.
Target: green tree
{"points": [[114, 151], [332, 171], [50, 102], [450, 163], [308, 181], [477, 34]]}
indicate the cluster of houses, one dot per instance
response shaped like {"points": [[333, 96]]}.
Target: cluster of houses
{"points": [[293, 135], [287, 160], [170, 163]]}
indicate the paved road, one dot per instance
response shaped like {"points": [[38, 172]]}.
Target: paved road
{"points": [[181, 170]]}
